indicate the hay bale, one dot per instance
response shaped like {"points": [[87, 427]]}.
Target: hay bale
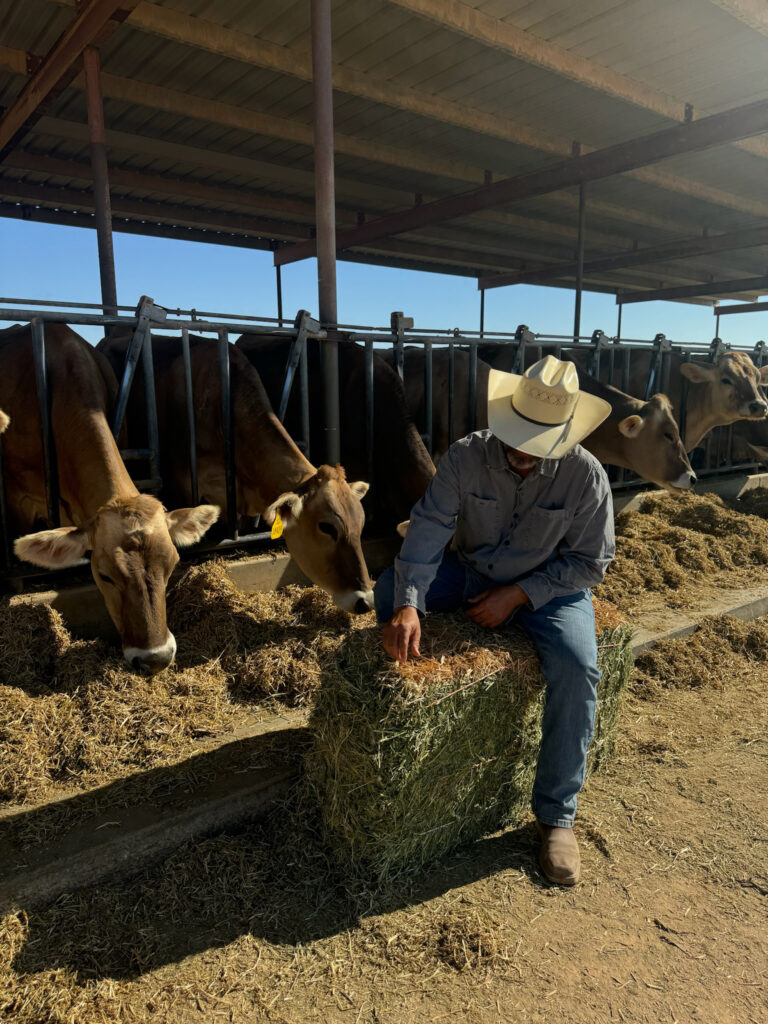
{"points": [[409, 761]]}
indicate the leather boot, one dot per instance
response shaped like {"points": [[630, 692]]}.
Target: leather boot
{"points": [[559, 858]]}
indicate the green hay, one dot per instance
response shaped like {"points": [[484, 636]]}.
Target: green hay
{"points": [[407, 762]]}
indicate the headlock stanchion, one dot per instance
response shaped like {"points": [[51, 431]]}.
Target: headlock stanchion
{"points": [[520, 348]]}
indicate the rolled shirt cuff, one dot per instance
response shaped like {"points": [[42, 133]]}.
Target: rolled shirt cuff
{"points": [[538, 589], [407, 594]]}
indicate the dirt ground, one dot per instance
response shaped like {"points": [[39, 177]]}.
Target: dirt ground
{"points": [[669, 923]]}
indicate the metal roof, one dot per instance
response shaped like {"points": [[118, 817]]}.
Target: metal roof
{"points": [[208, 107]]}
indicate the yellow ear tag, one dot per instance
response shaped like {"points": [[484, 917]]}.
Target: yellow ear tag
{"points": [[277, 527]]}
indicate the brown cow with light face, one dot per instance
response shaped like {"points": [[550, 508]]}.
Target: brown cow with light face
{"points": [[720, 393], [320, 510], [130, 535]]}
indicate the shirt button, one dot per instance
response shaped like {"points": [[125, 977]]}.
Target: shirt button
{"points": [[506, 543], [490, 565]]}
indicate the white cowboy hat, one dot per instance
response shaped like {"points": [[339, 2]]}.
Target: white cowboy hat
{"points": [[542, 412]]}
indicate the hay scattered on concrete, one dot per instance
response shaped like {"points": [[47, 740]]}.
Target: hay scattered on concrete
{"points": [[73, 716], [672, 543], [409, 761], [721, 648]]}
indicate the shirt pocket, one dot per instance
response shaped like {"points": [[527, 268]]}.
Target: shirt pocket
{"points": [[542, 529], [479, 523]]}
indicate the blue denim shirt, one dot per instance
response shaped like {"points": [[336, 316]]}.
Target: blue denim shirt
{"points": [[551, 532]]}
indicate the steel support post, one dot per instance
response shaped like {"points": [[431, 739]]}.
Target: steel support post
{"points": [[325, 217], [102, 203], [279, 284], [579, 263], [482, 314]]}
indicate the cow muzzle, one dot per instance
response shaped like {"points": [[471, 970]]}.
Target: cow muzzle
{"points": [[357, 602], [151, 660], [755, 410], [684, 482]]}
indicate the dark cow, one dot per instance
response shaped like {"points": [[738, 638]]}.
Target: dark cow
{"points": [[321, 512]]}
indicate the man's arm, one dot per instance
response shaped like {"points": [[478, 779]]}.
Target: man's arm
{"points": [[584, 553], [431, 526]]}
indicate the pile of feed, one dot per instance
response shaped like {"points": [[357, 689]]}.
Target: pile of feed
{"points": [[671, 544], [72, 715], [408, 761]]}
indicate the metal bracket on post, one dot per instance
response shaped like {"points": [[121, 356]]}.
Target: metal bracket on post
{"points": [[400, 323], [717, 347], [661, 345], [296, 355], [758, 355], [145, 312], [600, 341], [523, 336]]}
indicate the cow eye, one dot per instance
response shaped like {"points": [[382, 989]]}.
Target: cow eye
{"points": [[330, 529], [669, 436], [106, 579], [724, 380]]}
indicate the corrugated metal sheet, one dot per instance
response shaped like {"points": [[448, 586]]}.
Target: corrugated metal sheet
{"points": [[686, 52]]}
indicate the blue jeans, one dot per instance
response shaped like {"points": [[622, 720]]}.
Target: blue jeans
{"points": [[563, 633]]}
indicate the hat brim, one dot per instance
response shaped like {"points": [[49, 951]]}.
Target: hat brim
{"points": [[539, 440]]}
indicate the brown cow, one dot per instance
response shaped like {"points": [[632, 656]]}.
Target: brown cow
{"points": [[321, 512], [640, 436], [130, 535], [402, 468]]}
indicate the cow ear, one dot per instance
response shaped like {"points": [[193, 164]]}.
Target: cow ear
{"points": [[762, 370], [289, 505], [187, 525], [697, 373], [631, 426], [53, 549], [402, 528], [359, 489], [4, 421]]}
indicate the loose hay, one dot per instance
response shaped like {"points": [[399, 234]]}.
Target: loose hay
{"points": [[73, 716], [672, 543], [408, 761]]}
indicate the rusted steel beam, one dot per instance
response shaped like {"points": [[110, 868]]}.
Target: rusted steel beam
{"points": [[325, 216], [679, 250], [93, 24], [102, 205], [713, 288], [741, 122], [748, 307]]}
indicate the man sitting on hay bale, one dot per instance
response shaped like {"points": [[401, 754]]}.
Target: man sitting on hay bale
{"points": [[531, 517]]}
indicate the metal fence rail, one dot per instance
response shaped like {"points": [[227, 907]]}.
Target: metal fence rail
{"points": [[600, 354]]}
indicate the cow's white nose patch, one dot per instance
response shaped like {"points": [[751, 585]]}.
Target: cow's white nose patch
{"points": [[151, 658], [356, 601], [685, 480]]}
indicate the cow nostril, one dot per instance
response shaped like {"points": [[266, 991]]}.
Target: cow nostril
{"points": [[758, 407], [361, 606], [136, 664]]}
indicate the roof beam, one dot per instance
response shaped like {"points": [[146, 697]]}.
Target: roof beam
{"points": [[685, 138], [184, 105], [637, 257], [59, 66], [751, 307], [531, 49], [711, 288], [751, 12]]}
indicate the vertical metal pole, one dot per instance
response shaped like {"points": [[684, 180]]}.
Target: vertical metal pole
{"points": [[153, 436], [229, 440], [618, 324], [579, 263], [304, 385], [472, 393], [428, 396], [5, 533], [451, 388], [50, 467], [369, 410], [279, 283], [190, 416], [482, 313], [102, 203], [325, 215]]}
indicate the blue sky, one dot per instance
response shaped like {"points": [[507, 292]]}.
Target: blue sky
{"points": [[46, 261]]}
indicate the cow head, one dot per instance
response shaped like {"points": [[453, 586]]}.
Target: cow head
{"points": [[732, 386], [132, 544], [323, 521], [653, 446]]}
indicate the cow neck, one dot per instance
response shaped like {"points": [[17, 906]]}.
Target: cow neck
{"points": [[698, 421], [268, 463], [91, 471]]}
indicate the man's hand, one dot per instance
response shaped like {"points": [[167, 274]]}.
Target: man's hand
{"points": [[494, 606], [402, 634]]}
